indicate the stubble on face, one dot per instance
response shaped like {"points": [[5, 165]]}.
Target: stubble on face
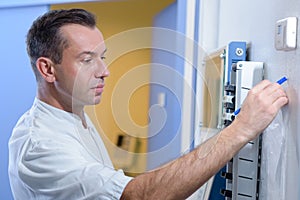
{"points": [[81, 65]]}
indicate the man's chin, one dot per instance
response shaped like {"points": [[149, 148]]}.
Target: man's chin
{"points": [[89, 102], [97, 101]]}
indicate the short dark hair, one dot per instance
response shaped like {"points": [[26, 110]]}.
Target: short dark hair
{"points": [[45, 39]]}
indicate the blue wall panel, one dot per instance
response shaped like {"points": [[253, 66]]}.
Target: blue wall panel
{"points": [[17, 80], [167, 78], [163, 145]]}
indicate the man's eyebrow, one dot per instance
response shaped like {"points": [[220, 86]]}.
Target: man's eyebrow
{"points": [[104, 51], [92, 53], [86, 52]]}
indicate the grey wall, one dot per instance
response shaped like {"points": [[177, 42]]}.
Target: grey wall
{"points": [[254, 21]]}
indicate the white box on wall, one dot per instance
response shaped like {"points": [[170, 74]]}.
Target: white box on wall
{"points": [[286, 34]]}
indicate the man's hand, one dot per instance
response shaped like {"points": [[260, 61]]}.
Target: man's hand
{"points": [[186, 174], [260, 108]]}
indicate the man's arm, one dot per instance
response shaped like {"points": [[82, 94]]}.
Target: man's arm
{"points": [[180, 178]]}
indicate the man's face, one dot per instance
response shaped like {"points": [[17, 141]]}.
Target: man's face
{"points": [[80, 76]]}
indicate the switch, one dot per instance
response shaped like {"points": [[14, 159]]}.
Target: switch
{"points": [[286, 34], [226, 193], [161, 99], [226, 175]]}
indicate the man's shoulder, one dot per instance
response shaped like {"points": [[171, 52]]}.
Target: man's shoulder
{"points": [[22, 126], [37, 126]]}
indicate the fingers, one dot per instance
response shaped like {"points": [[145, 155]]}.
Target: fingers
{"points": [[276, 95], [281, 102], [270, 93], [260, 86], [261, 106]]}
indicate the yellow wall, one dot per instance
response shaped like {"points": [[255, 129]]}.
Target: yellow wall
{"points": [[113, 18]]}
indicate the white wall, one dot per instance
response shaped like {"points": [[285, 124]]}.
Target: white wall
{"points": [[254, 21]]}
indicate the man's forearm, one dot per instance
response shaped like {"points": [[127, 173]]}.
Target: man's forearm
{"points": [[180, 178]]}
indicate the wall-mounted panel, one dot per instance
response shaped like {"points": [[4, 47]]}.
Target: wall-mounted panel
{"points": [[254, 21]]}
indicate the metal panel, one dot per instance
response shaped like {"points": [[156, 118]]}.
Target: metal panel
{"points": [[243, 170]]}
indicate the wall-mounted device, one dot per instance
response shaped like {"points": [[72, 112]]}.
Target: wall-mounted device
{"points": [[246, 164], [228, 79], [286, 34], [243, 171]]}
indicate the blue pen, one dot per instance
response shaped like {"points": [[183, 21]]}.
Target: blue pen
{"points": [[280, 81]]}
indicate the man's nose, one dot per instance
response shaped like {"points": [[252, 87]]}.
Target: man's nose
{"points": [[102, 70]]}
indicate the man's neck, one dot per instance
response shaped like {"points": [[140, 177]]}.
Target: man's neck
{"points": [[64, 104]]}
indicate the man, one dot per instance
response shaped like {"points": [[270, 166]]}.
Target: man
{"points": [[55, 151]]}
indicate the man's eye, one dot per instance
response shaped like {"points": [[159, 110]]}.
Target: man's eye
{"points": [[103, 57], [87, 60]]}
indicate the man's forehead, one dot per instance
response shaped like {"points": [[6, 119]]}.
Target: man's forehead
{"points": [[83, 39]]}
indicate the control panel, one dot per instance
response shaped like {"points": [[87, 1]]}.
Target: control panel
{"points": [[243, 171]]}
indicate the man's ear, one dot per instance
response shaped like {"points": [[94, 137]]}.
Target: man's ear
{"points": [[46, 69]]}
